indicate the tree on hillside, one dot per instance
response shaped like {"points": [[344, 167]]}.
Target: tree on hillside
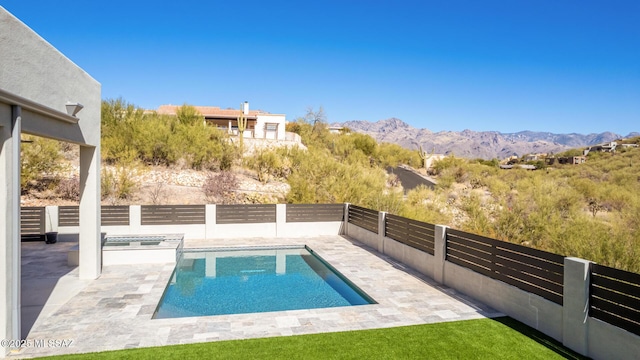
{"points": [[117, 111], [189, 115], [315, 117]]}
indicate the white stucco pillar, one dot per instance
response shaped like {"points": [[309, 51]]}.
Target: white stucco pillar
{"points": [[575, 307], [90, 237], [382, 215], [439, 253], [10, 127]]}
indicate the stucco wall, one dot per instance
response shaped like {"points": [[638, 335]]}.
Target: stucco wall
{"points": [[33, 69], [36, 82], [270, 118]]}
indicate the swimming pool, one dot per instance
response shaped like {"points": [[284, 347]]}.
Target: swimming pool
{"points": [[237, 281]]}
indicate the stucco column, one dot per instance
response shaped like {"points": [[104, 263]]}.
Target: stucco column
{"points": [[90, 238], [382, 216], [345, 223], [575, 308], [210, 221], [281, 220], [10, 127], [439, 252]]}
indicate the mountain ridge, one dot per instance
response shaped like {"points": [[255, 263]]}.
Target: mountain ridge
{"points": [[477, 144]]}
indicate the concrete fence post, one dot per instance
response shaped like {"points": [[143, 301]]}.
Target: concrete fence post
{"points": [[346, 219], [51, 218], [439, 252], [209, 221], [575, 308], [382, 216], [135, 218], [281, 219]]}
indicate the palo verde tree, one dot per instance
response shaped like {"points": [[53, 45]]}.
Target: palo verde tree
{"points": [[189, 115]]}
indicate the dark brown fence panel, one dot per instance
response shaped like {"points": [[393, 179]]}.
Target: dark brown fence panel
{"points": [[68, 216], [364, 218], [473, 252], [315, 212], [417, 234], [32, 223], [172, 214], [532, 270], [615, 297], [245, 214], [114, 215]]}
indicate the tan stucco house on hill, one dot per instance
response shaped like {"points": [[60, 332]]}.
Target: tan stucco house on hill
{"points": [[260, 124]]}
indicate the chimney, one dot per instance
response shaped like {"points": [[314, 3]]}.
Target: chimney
{"points": [[245, 108]]}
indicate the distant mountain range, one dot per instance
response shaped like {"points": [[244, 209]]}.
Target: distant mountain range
{"points": [[477, 144]]}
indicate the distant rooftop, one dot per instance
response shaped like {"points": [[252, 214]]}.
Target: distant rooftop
{"points": [[209, 111]]}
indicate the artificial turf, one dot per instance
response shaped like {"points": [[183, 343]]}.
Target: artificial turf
{"points": [[500, 338]]}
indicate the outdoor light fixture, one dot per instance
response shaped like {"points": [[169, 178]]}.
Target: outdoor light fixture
{"points": [[73, 108]]}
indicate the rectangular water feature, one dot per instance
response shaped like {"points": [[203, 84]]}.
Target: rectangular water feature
{"points": [[239, 281]]}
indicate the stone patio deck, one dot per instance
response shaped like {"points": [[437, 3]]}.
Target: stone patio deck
{"points": [[114, 311]]}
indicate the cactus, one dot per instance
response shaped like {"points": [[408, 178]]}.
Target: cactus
{"points": [[242, 125], [425, 156]]}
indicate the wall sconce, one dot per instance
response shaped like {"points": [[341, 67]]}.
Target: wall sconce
{"points": [[73, 108]]}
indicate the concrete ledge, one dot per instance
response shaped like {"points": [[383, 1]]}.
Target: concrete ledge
{"points": [[366, 237], [412, 257], [309, 229], [606, 341], [528, 308], [226, 231]]}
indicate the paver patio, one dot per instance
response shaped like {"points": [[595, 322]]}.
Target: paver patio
{"points": [[114, 311]]}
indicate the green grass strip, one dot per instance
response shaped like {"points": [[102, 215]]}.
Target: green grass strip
{"points": [[501, 338]]}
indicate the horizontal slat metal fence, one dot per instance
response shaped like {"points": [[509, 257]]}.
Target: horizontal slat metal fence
{"points": [[314, 212], [114, 215], [364, 218], [172, 214], [32, 223], [245, 214], [417, 234], [68, 216], [110, 215], [535, 271], [615, 297]]}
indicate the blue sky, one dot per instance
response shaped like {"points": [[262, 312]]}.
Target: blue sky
{"points": [[543, 65]]}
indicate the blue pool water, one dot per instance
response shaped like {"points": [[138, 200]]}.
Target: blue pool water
{"points": [[249, 281]]}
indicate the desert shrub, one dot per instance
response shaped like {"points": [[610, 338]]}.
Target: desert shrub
{"points": [[267, 164], [318, 178], [491, 163], [69, 189], [40, 158], [157, 193], [389, 202], [364, 143], [426, 205], [478, 218], [219, 188], [188, 115], [446, 163], [392, 155], [163, 140], [393, 180], [118, 182]]}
